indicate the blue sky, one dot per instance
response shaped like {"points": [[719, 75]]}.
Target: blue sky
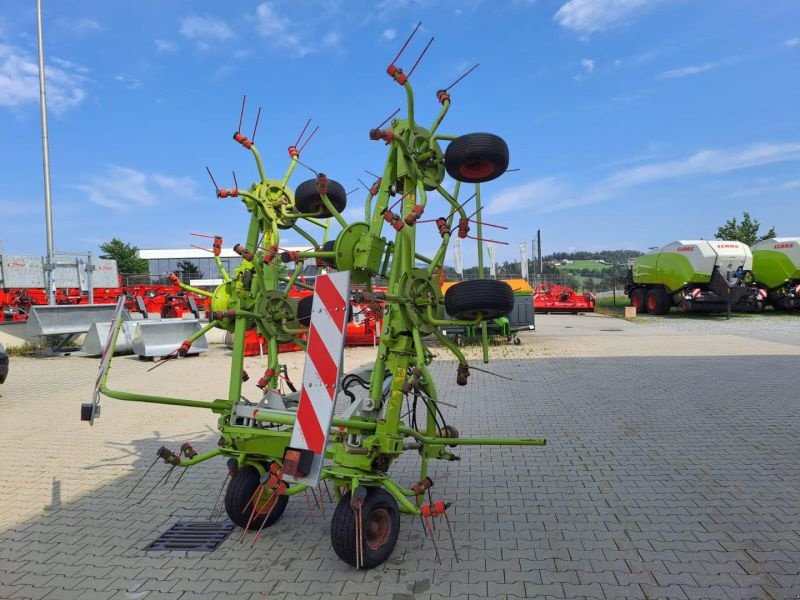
{"points": [[633, 122]]}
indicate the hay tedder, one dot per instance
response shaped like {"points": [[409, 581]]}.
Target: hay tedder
{"points": [[292, 443]]}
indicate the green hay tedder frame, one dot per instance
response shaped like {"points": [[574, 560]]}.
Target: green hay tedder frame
{"points": [[372, 432]]}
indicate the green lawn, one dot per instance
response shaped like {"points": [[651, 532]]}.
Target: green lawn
{"points": [[579, 265]]}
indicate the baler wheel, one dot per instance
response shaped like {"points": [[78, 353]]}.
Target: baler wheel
{"points": [[380, 527], [658, 302], [638, 297], [488, 297], [476, 157], [307, 199], [237, 500]]}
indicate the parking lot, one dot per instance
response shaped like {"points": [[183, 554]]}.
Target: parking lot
{"points": [[672, 470]]}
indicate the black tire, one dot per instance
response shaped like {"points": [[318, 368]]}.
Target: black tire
{"points": [[328, 246], [304, 310], [658, 302], [237, 496], [638, 297], [381, 526], [489, 297], [307, 199], [476, 157], [517, 341]]}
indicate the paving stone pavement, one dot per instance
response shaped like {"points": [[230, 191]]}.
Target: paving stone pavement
{"points": [[663, 477]]}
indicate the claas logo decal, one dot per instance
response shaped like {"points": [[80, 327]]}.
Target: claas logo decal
{"points": [[783, 246], [686, 249]]}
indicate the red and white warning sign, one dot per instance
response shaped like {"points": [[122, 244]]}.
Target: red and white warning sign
{"points": [[320, 376]]}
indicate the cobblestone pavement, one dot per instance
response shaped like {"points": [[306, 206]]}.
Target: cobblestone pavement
{"points": [[664, 476]]}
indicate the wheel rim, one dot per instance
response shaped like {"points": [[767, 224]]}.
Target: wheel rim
{"points": [[651, 302], [477, 169], [377, 528], [637, 301]]}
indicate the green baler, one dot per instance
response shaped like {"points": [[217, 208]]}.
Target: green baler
{"points": [[776, 268], [695, 275]]}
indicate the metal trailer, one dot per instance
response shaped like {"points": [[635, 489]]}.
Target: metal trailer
{"points": [[280, 446]]}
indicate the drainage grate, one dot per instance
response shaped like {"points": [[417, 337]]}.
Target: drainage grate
{"points": [[192, 536]]}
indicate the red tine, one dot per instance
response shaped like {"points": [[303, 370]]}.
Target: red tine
{"points": [[420, 58], [300, 149], [258, 115], [407, 41], [216, 187], [462, 77], [241, 114]]}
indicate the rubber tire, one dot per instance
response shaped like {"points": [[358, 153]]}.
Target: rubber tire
{"points": [[517, 341], [304, 310], [307, 199], [237, 495], [343, 537], [658, 302], [639, 294], [328, 246], [476, 157], [491, 298]]}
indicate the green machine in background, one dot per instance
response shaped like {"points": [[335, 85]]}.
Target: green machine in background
{"points": [[776, 268], [393, 406]]}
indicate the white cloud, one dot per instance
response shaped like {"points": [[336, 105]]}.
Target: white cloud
{"points": [[539, 195], [79, 25], [792, 42], [123, 188], [690, 70], [589, 16], [280, 30], [587, 64], [389, 34], [767, 188], [165, 46], [205, 29], [130, 83], [331, 40], [19, 80], [555, 193]]}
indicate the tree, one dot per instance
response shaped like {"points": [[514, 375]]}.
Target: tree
{"points": [[745, 232], [189, 270], [125, 255]]}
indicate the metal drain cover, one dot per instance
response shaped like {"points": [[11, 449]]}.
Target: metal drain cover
{"points": [[192, 536]]}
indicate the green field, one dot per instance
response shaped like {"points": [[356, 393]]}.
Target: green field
{"points": [[580, 265]]}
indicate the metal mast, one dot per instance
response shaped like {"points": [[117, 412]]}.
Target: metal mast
{"points": [[48, 209]]}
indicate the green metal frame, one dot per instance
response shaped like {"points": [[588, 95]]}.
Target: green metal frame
{"points": [[362, 447]]}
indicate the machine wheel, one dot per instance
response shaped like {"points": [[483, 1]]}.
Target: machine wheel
{"points": [[304, 310], [307, 200], [240, 489], [328, 246], [517, 341], [381, 526], [489, 297], [476, 157], [657, 302], [638, 297]]}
